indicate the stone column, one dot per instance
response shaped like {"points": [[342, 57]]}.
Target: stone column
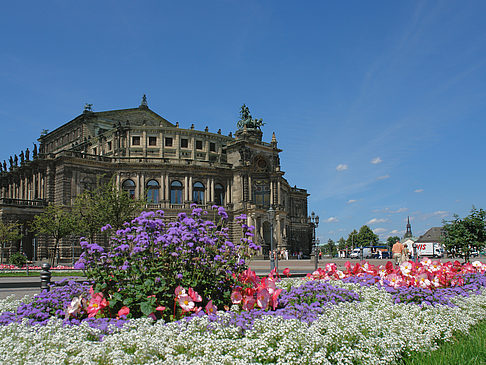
{"points": [[162, 187], [271, 192], [186, 190], [279, 193], [137, 191], [142, 184], [167, 189], [212, 189], [21, 188], [190, 189], [208, 190], [228, 192], [250, 197]]}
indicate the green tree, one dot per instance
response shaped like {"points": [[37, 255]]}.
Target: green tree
{"points": [[352, 240], [391, 241], [56, 222], [366, 237], [331, 247], [467, 234], [342, 244], [8, 232], [107, 204]]}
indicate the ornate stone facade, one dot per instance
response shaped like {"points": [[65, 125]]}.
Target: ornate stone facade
{"points": [[174, 167]]}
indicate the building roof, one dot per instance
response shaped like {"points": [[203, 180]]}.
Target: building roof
{"points": [[434, 234]]}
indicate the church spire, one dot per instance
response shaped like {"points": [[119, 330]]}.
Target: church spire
{"points": [[408, 234]]}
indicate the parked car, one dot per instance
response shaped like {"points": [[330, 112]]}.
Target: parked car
{"points": [[384, 255]]}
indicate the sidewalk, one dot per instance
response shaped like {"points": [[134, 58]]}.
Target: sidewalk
{"points": [[28, 285]]}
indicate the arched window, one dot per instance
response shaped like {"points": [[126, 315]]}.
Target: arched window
{"points": [[261, 193], [129, 187], [219, 194], [153, 192], [176, 192], [198, 193]]}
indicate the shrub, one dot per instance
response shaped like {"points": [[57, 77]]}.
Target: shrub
{"points": [[149, 259], [17, 259]]}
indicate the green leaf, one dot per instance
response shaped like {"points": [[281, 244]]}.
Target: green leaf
{"points": [[147, 308]]}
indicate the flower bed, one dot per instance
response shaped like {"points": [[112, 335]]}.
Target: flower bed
{"points": [[210, 308], [354, 319]]}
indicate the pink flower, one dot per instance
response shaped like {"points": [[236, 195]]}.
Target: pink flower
{"points": [[275, 298], [236, 297], [210, 308], [179, 291], [152, 315], [186, 303], [124, 311], [248, 303], [263, 297], [160, 308], [194, 295], [286, 272], [96, 304]]}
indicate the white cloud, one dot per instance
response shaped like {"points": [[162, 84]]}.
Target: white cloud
{"points": [[376, 161], [351, 201], [332, 220], [399, 210], [377, 220], [341, 167], [395, 231], [418, 190], [441, 212], [383, 177], [379, 230]]}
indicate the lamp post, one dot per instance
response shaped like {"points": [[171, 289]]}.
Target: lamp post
{"points": [[271, 216], [313, 221], [414, 245]]}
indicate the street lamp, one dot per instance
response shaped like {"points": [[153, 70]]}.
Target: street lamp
{"points": [[271, 216], [313, 221]]}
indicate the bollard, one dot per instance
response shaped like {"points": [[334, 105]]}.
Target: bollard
{"points": [[45, 277]]}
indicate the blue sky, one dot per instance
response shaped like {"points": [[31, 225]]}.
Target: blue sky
{"points": [[379, 106]]}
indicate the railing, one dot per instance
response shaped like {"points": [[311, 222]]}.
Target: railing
{"points": [[22, 202], [187, 205], [170, 159]]}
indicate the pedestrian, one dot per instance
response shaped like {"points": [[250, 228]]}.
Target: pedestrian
{"points": [[405, 254], [397, 252]]}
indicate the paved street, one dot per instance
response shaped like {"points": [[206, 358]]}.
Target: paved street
{"points": [[20, 286]]}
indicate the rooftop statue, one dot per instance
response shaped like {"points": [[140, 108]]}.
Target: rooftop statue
{"points": [[247, 121]]}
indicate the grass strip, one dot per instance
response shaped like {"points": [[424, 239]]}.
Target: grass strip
{"points": [[465, 349]]}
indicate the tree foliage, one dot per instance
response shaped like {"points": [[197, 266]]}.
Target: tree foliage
{"points": [[464, 235], [56, 222], [342, 244], [331, 248], [8, 232], [366, 237], [352, 240], [391, 241], [107, 204]]}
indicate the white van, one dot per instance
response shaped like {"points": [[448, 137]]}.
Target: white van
{"points": [[356, 254], [429, 249]]}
